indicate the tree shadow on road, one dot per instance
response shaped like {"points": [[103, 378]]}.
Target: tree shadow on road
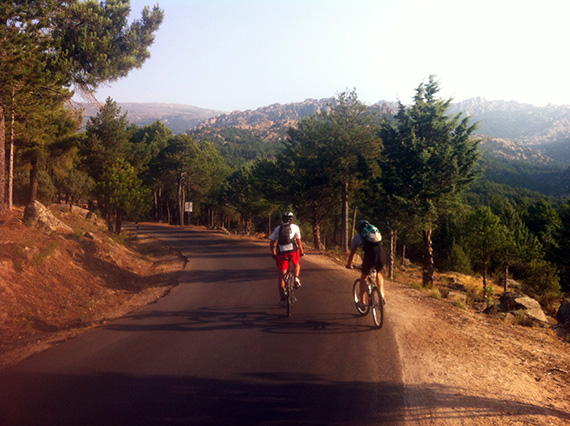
{"points": [[267, 318], [254, 399]]}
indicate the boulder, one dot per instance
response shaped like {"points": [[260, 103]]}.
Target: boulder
{"points": [[38, 216], [519, 302], [563, 314], [457, 284], [456, 295]]}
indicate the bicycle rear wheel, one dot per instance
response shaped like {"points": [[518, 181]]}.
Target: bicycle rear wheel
{"points": [[356, 298], [290, 293], [377, 305]]}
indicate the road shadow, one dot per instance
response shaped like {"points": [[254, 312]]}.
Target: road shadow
{"points": [[253, 399], [266, 318]]}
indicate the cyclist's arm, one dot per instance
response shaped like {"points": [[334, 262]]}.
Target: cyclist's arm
{"points": [[300, 246], [272, 247]]}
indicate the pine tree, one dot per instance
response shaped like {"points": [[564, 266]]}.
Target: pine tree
{"points": [[49, 46], [427, 161]]}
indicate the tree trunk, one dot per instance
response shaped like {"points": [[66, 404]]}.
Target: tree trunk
{"points": [[344, 219], [484, 278], [506, 285], [403, 254], [353, 227], [156, 206], [2, 162], [393, 243], [33, 194], [11, 158], [428, 270], [317, 236], [181, 198], [118, 222]]}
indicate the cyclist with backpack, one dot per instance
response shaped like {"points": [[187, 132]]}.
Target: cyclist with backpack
{"points": [[369, 239], [286, 246]]}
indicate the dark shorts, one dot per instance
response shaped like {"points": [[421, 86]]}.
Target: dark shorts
{"points": [[374, 257]]}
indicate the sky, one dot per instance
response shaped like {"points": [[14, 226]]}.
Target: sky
{"points": [[231, 55]]}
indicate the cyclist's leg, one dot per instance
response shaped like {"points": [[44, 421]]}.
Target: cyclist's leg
{"points": [[380, 282], [282, 266], [296, 259], [363, 277], [381, 262], [365, 271]]}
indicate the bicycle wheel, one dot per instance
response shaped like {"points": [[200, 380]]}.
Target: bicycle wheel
{"points": [[377, 307], [290, 284], [356, 298]]}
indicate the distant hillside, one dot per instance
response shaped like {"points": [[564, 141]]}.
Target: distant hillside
{"points": [[546, 129], [271, 122], [178, 118], [534, 139]]}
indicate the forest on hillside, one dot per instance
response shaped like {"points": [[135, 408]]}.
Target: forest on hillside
{"points": [[417, 172]]}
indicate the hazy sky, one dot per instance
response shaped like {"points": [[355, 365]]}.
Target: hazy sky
{"points": [[243, 54]]}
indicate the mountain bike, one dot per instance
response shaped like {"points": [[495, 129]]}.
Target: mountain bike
{"points": [[373, 300], [290, 286]]}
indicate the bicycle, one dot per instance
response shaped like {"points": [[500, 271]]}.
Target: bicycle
{"points": [[373, 299], [290, 286]]}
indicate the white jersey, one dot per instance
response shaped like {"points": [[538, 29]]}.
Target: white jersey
{"points": [[295, 233]]}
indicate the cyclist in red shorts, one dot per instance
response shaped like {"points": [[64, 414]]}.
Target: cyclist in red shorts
{"points": [[285, 244]]}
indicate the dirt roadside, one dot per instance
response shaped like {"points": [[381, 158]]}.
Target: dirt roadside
{"points": [[460, 367]]}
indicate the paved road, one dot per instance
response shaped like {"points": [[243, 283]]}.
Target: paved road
{"points": [[219, 350]]}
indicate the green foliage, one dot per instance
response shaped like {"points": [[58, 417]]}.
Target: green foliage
{"points": [[563, 251], [95, 42], [122, 190], [106, 139], [77, 184], [429, 159], [542, 281], [544, 179], [487, 239], [238, 147], [543, 221], [48, 46], [145, 143], [457, 260], [429, 156], [240, 191]]}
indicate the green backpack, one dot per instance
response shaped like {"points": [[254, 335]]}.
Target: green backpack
{"points": [[371, 234]]}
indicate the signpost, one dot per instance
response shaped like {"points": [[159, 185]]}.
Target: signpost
{"points": [[187, 210]]}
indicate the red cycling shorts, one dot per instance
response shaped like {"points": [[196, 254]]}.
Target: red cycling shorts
{"points": [[283, 259]]}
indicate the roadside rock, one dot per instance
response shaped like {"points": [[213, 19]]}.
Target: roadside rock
{"points": [[519, 302], [38, 216]]}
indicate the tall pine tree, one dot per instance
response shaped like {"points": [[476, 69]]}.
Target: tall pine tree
{"points": [[49, 46], [428, 160]]}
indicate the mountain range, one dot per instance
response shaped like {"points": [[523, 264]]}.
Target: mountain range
{"points": [[178, 118], [510, 132]]}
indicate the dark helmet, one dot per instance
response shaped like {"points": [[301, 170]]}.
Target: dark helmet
{"points": [[362, 224], [287, 217]]}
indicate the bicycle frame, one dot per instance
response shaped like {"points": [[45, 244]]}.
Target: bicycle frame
{"points": [[374, 300], [289, 279]]}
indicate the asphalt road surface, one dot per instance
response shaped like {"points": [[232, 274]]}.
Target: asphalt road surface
{"points": [[218, 350]]}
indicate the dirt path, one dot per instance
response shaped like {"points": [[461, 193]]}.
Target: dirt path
{"points": [[465, 368]]}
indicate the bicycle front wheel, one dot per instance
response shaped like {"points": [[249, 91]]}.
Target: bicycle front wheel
{"points": [[377, 305], [363, 310]]}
